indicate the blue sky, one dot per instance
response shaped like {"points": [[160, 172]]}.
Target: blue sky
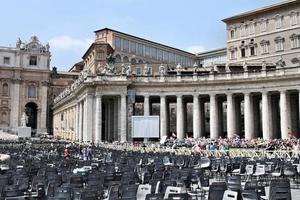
{"points": [[69, 25]]}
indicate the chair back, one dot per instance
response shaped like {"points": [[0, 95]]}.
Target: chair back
{"points": [[142, 191], [230, 195]]}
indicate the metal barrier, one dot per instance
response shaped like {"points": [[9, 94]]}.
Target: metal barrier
{"points": [[250, 153]]}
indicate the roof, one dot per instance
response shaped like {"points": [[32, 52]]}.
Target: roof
{"points": [[92, 45], [76, 64], [263, 9], [212, 52], [155, 43]]}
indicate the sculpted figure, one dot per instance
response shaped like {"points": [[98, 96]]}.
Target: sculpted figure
{"points": [[24, 119], [146, 70], [162, 70], [280, 63], [124, 69], [264, 65], [128, 70], [245, 66]]}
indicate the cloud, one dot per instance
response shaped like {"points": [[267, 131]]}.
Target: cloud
{"points": [[66, 42], [196, 49]]}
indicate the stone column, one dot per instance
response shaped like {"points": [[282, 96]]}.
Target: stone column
{"points": [[146, 105], [163, 116], [299, 113], [80, 119], [123, 118], [266, 116], [213, 115], [202, 118], [220, 118], [15, 100], [116, 120], [88, 119], [44, 104], [284, 115], [98, 119], [119, 118], [180, 118], [196, 116], [248, 116], [231, 116]]}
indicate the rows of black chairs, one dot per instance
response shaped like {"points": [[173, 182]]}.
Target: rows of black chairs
{"points": [[39, 171]]}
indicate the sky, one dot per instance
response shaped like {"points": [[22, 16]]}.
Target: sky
{"points": [[69, 25]]}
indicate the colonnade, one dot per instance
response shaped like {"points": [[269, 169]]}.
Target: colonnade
{"points": [[266, 114]]}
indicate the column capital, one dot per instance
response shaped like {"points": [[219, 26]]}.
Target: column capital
{"points": [[229, 94], [212, 94], [196, 95], [264, 92], [283, 91], [247, 93]]}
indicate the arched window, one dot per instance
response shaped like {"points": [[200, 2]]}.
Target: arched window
{"points": [[133, 61], [5, 89], [31, 91], [125, 59], [118, 58]]}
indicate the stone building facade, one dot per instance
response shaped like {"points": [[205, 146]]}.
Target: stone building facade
{"points": [[253, 95], [268, 33], [26, 82]]}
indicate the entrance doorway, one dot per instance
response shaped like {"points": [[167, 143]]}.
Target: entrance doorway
{"points": [[31, 112]]}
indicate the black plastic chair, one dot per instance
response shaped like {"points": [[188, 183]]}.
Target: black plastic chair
{"points": [[216, 191], [280, 190]]}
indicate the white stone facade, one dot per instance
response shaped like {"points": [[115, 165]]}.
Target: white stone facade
{"points": [[24, 82], [94, 97]]}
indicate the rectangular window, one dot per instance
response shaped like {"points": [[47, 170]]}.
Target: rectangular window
{"points": [[278, 22], [243, 53], [279, 45], [232, 34], [147, 51], [252, 28], [138, 71], [294, 19], [140, 49], [154, 53], [232, 54], [166, 56], [177, 59], [118, 43], [6, 60], [296, 42], [132, 47], [252, 51], [31, 91], [159, 54], [125, 45], [171, 58], [264, 49], [263, 26], [33, 60], [243, 30]]}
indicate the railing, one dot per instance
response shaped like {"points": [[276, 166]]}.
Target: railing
{"points": [[87, 78], [250, 153]]}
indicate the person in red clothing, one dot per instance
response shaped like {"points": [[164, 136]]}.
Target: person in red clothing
{"points": [[66, 153]]}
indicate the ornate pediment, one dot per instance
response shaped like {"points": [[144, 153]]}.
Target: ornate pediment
{"points": [[33, 45]]}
